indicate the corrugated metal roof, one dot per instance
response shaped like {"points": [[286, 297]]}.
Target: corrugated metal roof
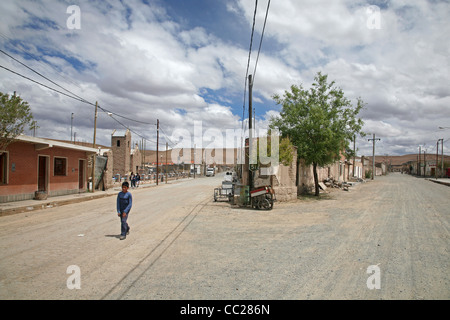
{"points": [[47, 143]]}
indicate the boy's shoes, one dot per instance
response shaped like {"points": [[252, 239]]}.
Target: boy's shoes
{"points": [[123, 237]]}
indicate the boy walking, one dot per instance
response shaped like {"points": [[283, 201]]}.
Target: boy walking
{"points": [[124, 203]]}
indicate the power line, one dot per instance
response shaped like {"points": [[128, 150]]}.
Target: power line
{"points": [[248, 61], [76, 97], [45, 65], [166, 137], [39, 83], [29, 68], [260, 42], [84, 101]]}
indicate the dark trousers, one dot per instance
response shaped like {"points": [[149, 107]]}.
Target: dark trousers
{"points": [[124, 225]]}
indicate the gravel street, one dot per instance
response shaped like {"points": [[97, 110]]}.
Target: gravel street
{"points": [[183, 245]]}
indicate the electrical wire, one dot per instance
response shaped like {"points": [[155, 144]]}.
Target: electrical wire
{"points": [[41, 84], [260, 42], [166, 137], [84, 101], [29, 68], [74, 96], [248, 61]]}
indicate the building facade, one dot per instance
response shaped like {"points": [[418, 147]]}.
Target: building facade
{"points": [[30, 166], [126, 158]]}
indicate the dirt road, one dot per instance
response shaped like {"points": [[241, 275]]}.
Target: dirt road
{"points": [[183, 245]]}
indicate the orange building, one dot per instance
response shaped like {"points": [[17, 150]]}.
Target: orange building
{"points": [[31, 166]]}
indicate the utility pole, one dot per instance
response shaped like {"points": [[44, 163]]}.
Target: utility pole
{"points": [[354, 155], [437, 159], [442, 157], [254, 121], [424, 162], [94, 146], [373, 155], [250, 127], [418, 162], [71, 127], [167, 166], [157, 150]]}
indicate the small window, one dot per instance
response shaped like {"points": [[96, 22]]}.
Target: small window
{"points": [[3, 167], [60, 167], [118, 143]]}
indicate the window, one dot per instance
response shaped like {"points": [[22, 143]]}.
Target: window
{"points": [[3, 167], [60, 167], [118, 143]]}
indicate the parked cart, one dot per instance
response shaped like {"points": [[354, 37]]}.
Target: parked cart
{"points": [[226, 192]]}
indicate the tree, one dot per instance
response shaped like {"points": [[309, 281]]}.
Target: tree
{"points": [[320, 122], [15, 116]]}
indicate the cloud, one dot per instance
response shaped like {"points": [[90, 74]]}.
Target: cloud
{"points": [[136, 59]]}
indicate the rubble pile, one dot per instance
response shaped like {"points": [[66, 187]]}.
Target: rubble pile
{"points": [[344, 185]]}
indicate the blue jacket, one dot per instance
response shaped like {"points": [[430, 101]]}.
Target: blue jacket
{"points": [[124, 202]]}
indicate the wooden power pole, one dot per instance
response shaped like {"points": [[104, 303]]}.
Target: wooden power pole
{"points": [[373, 155], [157, 150], [94, 146]]}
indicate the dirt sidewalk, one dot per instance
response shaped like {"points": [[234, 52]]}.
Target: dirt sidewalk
{"points": [[183, 245]]}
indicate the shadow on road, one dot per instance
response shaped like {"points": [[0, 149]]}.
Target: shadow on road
{"points": [[113, 236]]}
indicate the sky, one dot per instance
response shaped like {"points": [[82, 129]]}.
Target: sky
{"points": [[185, 63]]}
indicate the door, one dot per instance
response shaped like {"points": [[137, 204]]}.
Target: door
{"points": [[42, 173], [80, 174]]}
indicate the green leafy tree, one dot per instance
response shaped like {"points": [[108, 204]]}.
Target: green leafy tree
{"points": [[15, 116], [320, 122]]}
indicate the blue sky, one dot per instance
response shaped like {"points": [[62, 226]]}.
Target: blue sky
{"points": [[185, 61]]}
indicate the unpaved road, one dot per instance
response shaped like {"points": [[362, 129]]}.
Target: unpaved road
{"points": [[185, 246]]}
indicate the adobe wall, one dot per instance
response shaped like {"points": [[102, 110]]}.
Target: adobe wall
{"points": [[121, 159]]}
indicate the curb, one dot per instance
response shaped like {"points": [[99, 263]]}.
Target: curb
{"points": [[50, 203], [440, 182], [44, 204]]}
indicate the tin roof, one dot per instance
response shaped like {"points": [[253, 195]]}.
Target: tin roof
{"points": [[42, 143]]}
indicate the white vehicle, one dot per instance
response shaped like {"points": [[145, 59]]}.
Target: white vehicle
{"points": [[210, 172]]}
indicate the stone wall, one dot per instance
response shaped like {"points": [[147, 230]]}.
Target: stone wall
{"points": [[121, 148]]}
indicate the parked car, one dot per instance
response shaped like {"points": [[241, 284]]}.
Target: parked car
{"points": [[210, 172]]}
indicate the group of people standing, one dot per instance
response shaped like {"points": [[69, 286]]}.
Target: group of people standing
{"points": [[135, 180]]}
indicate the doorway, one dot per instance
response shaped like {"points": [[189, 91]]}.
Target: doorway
{"points": [[43, 173], [81, 178]]}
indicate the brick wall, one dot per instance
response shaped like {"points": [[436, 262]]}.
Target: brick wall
{"points": [[23, 172]]}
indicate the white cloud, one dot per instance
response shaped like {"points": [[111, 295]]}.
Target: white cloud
{"points": [[136, 60]]}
